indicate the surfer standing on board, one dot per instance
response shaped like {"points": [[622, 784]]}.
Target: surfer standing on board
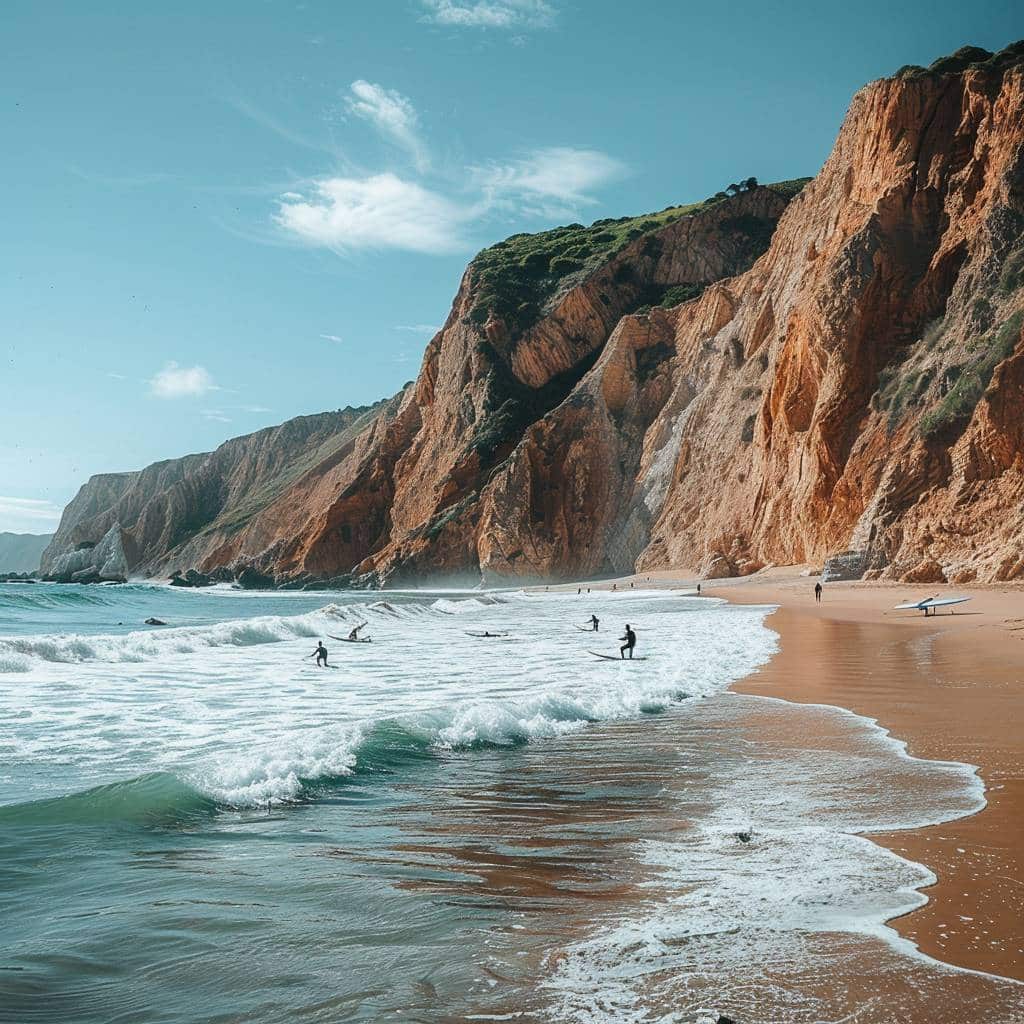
{"points": [[354, 635], [595, 622], [321, 654], [630, 643]]}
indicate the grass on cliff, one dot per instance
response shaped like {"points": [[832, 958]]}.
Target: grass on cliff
{"points": [[947, 420], [967, 58], [515, 278]]}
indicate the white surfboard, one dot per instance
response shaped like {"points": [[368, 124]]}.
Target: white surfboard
{"points": [[930, 603]]}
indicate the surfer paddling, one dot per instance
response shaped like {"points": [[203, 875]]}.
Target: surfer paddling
{"points": [[320, 654], [629, 643]]}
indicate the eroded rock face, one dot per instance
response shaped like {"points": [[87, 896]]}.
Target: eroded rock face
{"points": [[879, 353], [848, 377]]}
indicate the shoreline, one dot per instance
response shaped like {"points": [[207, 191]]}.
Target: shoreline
{"points": [[951, 688]]}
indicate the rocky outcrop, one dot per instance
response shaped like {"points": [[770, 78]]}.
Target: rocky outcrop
{"points": [[20, 552], [760, 379], [199, 509], [104, 562]]}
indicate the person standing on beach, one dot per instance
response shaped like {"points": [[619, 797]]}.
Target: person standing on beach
{"points": [[698, 590], [630, 643], [817, 593], [321, 654]]}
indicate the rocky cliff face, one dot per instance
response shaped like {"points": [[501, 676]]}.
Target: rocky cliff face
{"points": [[757, 379], [20, 552], [199, 508]]}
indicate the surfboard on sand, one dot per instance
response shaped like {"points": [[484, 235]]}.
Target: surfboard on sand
{"points": [[349, 640], [930, 604], [615, 657]]}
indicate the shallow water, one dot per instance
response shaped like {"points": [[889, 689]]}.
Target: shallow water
{"points": [[199, 824]]}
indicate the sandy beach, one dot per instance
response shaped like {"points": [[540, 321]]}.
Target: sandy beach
{"points": [[952, 687]]}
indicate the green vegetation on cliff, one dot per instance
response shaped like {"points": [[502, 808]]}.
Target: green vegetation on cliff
{"points": [[967, 58], [516, 277]]}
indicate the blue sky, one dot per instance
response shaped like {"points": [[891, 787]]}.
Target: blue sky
{"points": [[221, 215]]}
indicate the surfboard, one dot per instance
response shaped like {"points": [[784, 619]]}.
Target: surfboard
{"points": [[487, 636], [349, 640], [930, 602], [585, 629], [615, 657]]}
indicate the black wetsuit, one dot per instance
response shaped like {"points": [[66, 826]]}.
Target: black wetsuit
{"points": [[630, 643], [595, 622], [321, 655]]}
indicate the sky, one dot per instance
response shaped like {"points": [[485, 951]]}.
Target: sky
{"points": [[222, 215]]}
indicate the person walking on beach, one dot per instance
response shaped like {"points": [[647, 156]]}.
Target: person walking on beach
{"points": [[630, 643], [595, 622], [321, 654], [817, 593]]}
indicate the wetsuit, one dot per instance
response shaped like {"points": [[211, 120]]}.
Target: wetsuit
{"points": [[321, 655], [595, 622], [630, 643]]}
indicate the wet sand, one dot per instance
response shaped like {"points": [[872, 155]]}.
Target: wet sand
{"points": [[952, 687]]}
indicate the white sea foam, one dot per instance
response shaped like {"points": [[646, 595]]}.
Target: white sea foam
{"points": [[778, 862], [239, 709]]}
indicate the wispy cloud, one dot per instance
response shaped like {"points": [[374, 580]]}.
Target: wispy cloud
{"points": [[117, 376], [379, 212], [384, 211], [418, 328], [490, 14], [28, 509], [332, 337], [560, 173], [215, 416], [392, 114], [253, 408], [175, 381]]}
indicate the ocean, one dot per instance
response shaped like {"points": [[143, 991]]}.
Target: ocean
{"points": [[199, 824]]}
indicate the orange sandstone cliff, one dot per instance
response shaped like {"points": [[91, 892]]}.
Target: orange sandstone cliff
{"points": [[757, 379]]}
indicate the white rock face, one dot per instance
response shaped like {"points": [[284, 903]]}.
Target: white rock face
{"points": [[106, 560]]}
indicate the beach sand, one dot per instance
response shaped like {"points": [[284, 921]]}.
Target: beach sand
{"points": [[952, 687]]}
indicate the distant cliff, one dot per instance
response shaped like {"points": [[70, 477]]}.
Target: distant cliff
{"points": [[771, 376], [20, 552]]}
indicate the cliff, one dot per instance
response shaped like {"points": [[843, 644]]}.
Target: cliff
{"points": [[187, 511], [20, 552], [773, 376]]}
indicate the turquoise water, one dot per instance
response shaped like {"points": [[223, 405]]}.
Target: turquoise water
{"points": [[198, 824]]}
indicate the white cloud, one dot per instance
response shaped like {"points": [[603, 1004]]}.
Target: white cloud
{"points": [[175, 381], [392, 114], [253, 408], [117, 376], [379, 212], [418, 328], [332, 337], [556, 173], [34, 509], [216, 416], [508, 14]]}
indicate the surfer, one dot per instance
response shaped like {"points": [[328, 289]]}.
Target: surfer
{"points": [[595, 622], [817, 593], [354, 635], [630, 643], [320, 654]]}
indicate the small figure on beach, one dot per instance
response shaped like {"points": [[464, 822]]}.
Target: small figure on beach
{"points": [[698, 590], [630, 643], [354, 635], [613, 586], [595, 622], [320, 654], [579, 590], [817, 592]]}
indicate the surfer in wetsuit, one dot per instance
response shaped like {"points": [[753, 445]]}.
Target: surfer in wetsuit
{"points": [[321, 654], [354, 635], [595, 622], [630, 643]]}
